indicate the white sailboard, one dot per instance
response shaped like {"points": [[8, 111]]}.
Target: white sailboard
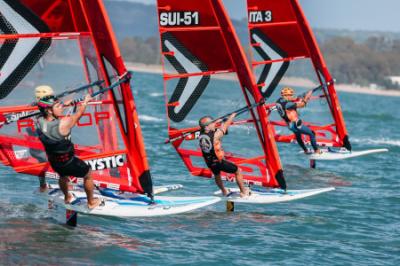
{"points": [[272, 195], [166, 188], [130, 204], [341, 154]]}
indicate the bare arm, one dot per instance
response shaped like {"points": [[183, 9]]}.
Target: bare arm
{"points": [[67, 123], [303, 101], [219, 134], [300, 104]]}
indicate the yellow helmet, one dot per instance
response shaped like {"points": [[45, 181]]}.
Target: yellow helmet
{"points": [[42, 91], [287, 91]]}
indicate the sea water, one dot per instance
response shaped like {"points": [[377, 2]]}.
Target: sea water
{"points": [[357, 224]]}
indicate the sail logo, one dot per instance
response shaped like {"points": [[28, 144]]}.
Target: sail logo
{"points": [[205, 143], [186, 18], [17, 116], [19, 55], [260, 16], [189, 88], [106, 163], [275, 69], [86, 120], [21, 154]]}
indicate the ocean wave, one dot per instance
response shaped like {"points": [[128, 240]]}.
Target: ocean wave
{"points": [[149, 118], [382, 141], [376, 116], [192, 122], [156, 94]]}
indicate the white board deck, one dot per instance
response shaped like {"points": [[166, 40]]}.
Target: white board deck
{"points": [[330, 155], [156, 189], [272, 195], [131, 205], [166, 188]]}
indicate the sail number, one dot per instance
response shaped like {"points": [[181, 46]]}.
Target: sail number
{"points": [[184, 18], [260, 16]]}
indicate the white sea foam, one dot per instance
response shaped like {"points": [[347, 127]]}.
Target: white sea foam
{"points": [[382, 141], [149, 118], [192, 122], [156, 94]]}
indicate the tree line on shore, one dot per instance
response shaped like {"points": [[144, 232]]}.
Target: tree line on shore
{"points": [[369, 62]]}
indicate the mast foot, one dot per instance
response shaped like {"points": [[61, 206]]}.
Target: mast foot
{"points": [[230, 206]]}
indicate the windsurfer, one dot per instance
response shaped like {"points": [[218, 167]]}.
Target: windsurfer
{"points": [[40, 92], [210, 142], [287, 106], [55, 134]]}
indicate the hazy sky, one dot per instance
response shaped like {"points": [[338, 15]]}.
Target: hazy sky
{"points": [[380, 15]]}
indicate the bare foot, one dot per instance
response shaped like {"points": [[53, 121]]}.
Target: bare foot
{"points": [[43, 188], [245, 194], [95, 203], [69, 198], [226, 192], [318, 151], [308, 151]]}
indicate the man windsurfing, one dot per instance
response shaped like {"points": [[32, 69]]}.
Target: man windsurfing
{"points": [[55, 134], [210, 141], [287, 106]]}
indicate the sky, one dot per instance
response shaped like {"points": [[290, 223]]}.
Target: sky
{"points": [[380, 15]]}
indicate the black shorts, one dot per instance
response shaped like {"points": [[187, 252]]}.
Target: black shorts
{"points": [[75, 167], [224, 166]]}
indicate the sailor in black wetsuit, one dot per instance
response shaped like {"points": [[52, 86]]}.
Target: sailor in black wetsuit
{"points": [[55, 134], [287, 108], [40, 92], [211, 147]]}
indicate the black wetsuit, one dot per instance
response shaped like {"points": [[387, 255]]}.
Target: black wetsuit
{"points": [[206, 142], [60, 150], [39, 155]]}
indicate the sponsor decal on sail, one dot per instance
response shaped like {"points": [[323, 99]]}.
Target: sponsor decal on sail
{"points": [[189, 89], [106, 163]]}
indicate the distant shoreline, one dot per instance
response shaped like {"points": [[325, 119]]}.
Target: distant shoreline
{"points": [[290, 81]]}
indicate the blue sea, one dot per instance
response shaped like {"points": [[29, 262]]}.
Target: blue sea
{"points": [[357, 224]]}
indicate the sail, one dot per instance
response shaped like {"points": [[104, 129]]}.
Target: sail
{"points": [[62, 44], [206, 73], [282, 44]]}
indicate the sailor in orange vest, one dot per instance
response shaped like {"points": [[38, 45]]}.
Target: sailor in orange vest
{"points": [[287, 106], [211, 147]]}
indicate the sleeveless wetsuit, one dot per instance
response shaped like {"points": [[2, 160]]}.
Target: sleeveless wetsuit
{"points": [[213, 154], [282, 106], [60, 149], [296, 127]]}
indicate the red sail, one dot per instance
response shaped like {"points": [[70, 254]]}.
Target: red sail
{"points": [[282, 39], [62, 44], [206, 73]]}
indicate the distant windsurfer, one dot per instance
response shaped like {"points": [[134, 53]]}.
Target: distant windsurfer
{"points": [[55, 134], [287, 106], [211, 146], [40, 92]]}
